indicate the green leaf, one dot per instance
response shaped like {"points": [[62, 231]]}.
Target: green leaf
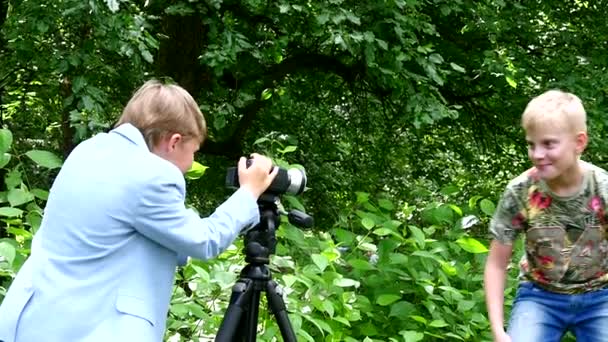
{"points": [[438, 323], [320, 260], [197, 310], [201, 273], [321, 325], [179, 9], [288, 149], [382, 44], [41, 194], [289, 280], [398, 258], [266, 94], [411, 335], [147, 56], [361, 264], [303, 334], [386, 204], [261, 140], [322, 19], [387, 299], [368, 329], [368, 223], [6, 140], [511, 81], [44, 158], [450, 189], [5, 158], [17, 197], [419, 319], [219, 121], [12, 179], [7, 252], [436, 58], [456, 209], [224, 279], [362, 197], [432, 72], [353, 18], [283, 262], [342, 320], [429, 289], [328, 307], [196, 171], [402, 309], [10, 212], [473, 201], [78, 84], [345, 282], [428, 255], [487, 206], [180, 310], [418, 235], [88, 103], [383, 232], [457, 67], [448, 268], [454, 336], [465, 305], [471, 245], [443, 214], [34, 219]]}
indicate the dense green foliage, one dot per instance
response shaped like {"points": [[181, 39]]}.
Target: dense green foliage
{"points": [[405, 114]]}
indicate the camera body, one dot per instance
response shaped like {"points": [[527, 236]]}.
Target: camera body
{"points": [[291, 181]]}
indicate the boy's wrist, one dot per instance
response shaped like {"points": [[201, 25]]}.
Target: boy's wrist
{"points": [[498, 330]]}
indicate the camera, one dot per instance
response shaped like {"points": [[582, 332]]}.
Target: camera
{"points": [[290, 181]]}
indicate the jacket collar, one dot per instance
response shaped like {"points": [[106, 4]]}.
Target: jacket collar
{"points": [[132, 133]]}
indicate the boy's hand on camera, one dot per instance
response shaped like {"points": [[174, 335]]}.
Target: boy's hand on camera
{"points": [[258, 176]]}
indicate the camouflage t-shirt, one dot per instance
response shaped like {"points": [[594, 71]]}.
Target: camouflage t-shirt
{"points": [[565, 237]]}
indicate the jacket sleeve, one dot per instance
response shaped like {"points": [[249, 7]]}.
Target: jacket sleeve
{"points": [[161, 215]]}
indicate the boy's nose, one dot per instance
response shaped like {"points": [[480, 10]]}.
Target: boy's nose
{"points": [[538, 153]]}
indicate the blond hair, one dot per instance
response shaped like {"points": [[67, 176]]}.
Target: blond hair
{"points": [[158, 110], [556, 109]]}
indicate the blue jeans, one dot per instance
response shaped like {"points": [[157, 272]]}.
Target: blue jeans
{"points": [[540, 315]]}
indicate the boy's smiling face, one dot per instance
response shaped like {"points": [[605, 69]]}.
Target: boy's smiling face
{"points": [[554, 151]]}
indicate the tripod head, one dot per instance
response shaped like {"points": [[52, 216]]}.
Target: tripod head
{"points": [[260, 241]]}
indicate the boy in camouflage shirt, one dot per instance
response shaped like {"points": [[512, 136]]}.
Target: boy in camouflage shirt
{"points": [[559, 207]]}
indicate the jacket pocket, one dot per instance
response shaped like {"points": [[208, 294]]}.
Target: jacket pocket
{"points": [[137, 307]]}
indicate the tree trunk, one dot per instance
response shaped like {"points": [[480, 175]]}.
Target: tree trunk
{"points": [[67, 143], [178, 54], [3, 12]]}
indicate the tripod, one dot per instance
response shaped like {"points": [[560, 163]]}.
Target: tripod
{"points": [[240, 320]]}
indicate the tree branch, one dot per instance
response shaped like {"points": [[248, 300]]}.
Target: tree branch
{"points": [[296, 64]]}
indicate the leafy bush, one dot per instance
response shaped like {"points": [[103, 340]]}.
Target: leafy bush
{"points": [[20, 205], [381, 273]]}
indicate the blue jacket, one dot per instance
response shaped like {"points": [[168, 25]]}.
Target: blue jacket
{"points": [[103, 262]]}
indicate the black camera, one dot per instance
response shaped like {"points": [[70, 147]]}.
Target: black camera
{"points": [[291, 181]]}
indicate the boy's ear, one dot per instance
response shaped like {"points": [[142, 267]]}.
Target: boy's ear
{"points": [[174, 140], [167, 143], [581, 142]]}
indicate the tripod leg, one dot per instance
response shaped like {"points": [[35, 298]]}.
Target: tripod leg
{"points": [[239, 302], [251, 329], [277, 306]]}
